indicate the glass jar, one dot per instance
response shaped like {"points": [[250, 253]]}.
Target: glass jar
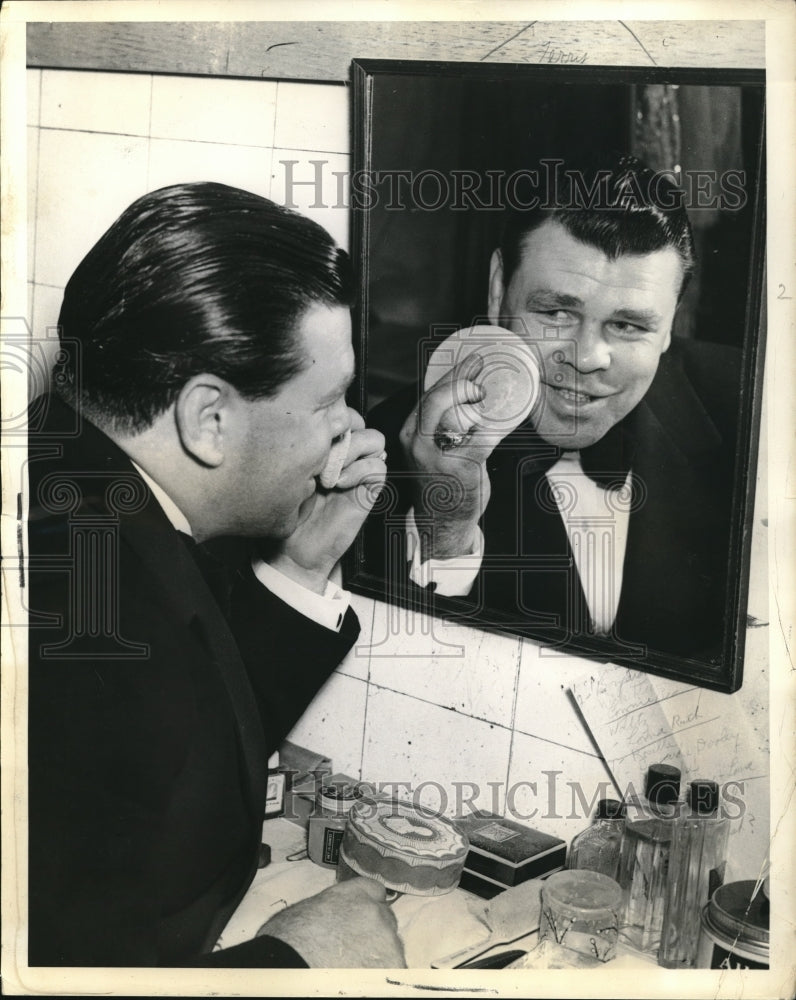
{"points": [[580, 913], [597, 848], [697, 861], [644, 859]]}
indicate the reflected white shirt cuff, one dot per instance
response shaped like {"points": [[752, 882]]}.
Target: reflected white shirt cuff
{"points": [[454, 577], [327, 609]]}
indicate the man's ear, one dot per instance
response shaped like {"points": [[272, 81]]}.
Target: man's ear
{"points": [[496, 288], [202, 413]]}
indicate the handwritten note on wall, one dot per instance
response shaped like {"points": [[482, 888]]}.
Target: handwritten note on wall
{"points": [[637, 720]]}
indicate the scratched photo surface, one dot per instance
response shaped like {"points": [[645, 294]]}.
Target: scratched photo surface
{"points": [[642, 561]]}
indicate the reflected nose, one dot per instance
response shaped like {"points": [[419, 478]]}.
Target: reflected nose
{"points": [[587, 351]]}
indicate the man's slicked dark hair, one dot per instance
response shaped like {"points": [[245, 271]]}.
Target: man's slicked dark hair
{"points": [[616, 204], [194, 278]]}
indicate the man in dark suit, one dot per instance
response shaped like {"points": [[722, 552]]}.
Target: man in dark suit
{"points": [[605, 514], [181, 612]]}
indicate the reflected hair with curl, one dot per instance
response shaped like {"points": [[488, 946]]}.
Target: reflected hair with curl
{"points": [[615, 203]]}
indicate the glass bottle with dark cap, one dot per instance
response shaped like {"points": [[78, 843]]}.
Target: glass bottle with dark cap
{"points": [[697, 862], [644, 858], [597, 848]]}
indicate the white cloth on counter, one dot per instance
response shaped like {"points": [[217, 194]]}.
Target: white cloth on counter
{"points": [[432, 927]]}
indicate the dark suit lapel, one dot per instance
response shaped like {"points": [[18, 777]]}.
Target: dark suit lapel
{"points": [[171, 567], [112, 489], [668, 583]]}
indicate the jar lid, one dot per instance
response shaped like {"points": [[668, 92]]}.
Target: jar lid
{"points": [[338, 796], [733, 913], [582, 890], [703, 796], [663, 784], [610, 809]]}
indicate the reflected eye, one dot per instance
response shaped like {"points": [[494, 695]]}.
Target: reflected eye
{"points": [[625, 329], [556, 317]]}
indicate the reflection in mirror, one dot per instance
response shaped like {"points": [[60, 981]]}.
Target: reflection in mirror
{"points": [[580, 250]]}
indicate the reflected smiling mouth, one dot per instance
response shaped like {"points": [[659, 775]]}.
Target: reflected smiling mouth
{"points": [[575, 395]]}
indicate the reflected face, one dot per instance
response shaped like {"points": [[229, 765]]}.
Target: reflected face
{"points": [[598, 328], [287, 438]]}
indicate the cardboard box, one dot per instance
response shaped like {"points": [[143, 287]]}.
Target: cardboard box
{"points": [[508, 853], [302, 769], [485, 887]]}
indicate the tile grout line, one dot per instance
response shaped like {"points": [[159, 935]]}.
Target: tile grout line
{"points": [[201, 142], [445, 708], [478, 718], [367, 696], [149, 131], [32, 277], [514, 710], [271, 152]]}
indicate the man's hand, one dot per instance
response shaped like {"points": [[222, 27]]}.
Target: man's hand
{"points": [[453, 485], [346, 926], [330, 527]]}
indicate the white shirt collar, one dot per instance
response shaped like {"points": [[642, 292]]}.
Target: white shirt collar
{"points": [[170, 508]]}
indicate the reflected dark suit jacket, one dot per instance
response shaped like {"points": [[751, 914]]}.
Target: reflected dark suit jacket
{"points": [[151, 717], [679, 441]]}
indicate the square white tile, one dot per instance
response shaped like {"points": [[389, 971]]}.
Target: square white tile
{"points": [[315, 183], [544, 708], [33, 95], [313, 116], [213, 109], [552, 788], [438, 758], [180, 162], [85, 182], [47, 301], [334, 723], [45, 306], [464, 669], [96, 102], [357, 662], [33, 184]]}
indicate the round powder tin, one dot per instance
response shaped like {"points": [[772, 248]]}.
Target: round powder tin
{"points": [[404, 847]]}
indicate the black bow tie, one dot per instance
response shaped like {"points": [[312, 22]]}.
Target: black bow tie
{"points": [[606, 462]]}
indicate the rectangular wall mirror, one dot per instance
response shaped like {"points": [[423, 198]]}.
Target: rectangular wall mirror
{"points": [[478, 205]]}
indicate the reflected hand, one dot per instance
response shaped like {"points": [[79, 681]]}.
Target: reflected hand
{"points": [[442, 442]]}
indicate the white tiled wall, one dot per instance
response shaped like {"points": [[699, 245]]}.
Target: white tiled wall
{"points": [[99, 140], [415, 701]]}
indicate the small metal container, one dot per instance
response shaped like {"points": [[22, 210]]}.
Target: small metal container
{"points": [[333, 802], [734, 933]]}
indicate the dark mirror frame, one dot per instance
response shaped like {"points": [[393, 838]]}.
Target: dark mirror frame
{"points": [[379, 83]]}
